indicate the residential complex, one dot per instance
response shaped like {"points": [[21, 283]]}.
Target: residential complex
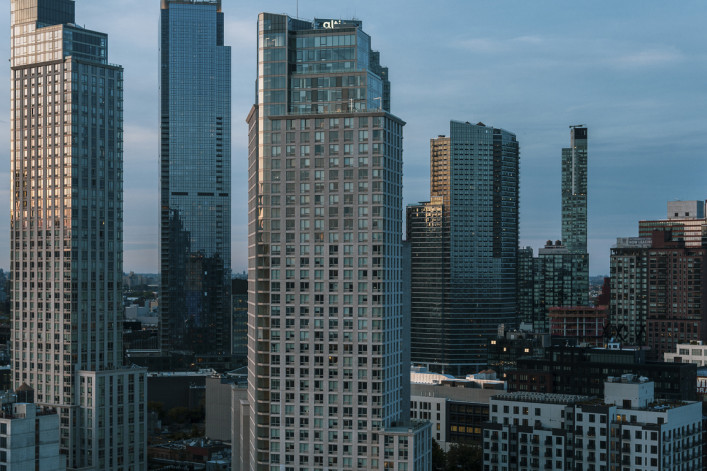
{"points": [[629, 289], [326, 329], [464, 245], [658, 288], [195, 179], [625, 429], [66, 236]]}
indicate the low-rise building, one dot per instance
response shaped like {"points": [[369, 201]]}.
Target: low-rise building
{"points": [[581, 370], [456, 408], [694, 352], [627, 429], [29, 436]]}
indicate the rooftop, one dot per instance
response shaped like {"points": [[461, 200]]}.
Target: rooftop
{"points": [[544, 398]]}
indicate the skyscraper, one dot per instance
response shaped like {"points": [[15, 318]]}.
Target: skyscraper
{"points": [[326, 364], [195, 178], [67, 236], [574, 191], [464, 245], [559, 276]]}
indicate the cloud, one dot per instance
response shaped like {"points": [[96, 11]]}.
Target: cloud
{"points": [[655, 57]]}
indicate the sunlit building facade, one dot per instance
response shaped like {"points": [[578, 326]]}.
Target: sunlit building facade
{"points": [[66, 237]]}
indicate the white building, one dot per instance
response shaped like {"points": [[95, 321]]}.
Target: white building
{"points": [[29, 437], [456, 408], [694, 352], [66, 236], [626, 430]]}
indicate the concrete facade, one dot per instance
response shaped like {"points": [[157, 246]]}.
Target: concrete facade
{"points": [[627, 429]]}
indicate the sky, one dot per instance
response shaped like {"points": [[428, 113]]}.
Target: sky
{"points": [[632, 71]]}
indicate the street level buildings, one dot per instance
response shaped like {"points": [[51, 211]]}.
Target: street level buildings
{"points": [[195, 179], [66, 236], [464, 245], [625, 429], [326, 328]]}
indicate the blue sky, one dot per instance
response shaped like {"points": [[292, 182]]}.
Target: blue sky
{"points": [[632, 71]]}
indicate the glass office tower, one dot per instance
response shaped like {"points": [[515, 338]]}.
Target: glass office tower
{"points": [[66, 236], [464, 246], [195, 178], [326, 333]]}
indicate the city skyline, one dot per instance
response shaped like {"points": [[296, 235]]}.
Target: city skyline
{"points": [[609, 73]]}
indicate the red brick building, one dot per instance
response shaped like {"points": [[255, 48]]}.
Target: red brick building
{"points": [[677, 294], [586, 324]]}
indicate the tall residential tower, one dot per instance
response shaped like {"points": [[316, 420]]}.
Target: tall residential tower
{"points": [[559, 276], [464, 245], [66, 236], [327, 370], [195, 178], [574, 191]]}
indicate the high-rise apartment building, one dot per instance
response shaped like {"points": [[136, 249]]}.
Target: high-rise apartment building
{"points": [[464, 245], [66, 236], [559, 276], [629, 289], [326, 332], [574, 191], [195, 178], [658, 295]]}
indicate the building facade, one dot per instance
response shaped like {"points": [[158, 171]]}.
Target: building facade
{"points": [[658, 292], [583, 325], [574, 191], [326, 367], [29, 436], [624, 429], [66, 236], [580, 370], [629, 289], [464, 245], [685, 221], [195, 178]]}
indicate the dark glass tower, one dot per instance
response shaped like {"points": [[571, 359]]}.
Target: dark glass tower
{"points": [[463, 248], [66, 237], [326, 359], [195, 178]]}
